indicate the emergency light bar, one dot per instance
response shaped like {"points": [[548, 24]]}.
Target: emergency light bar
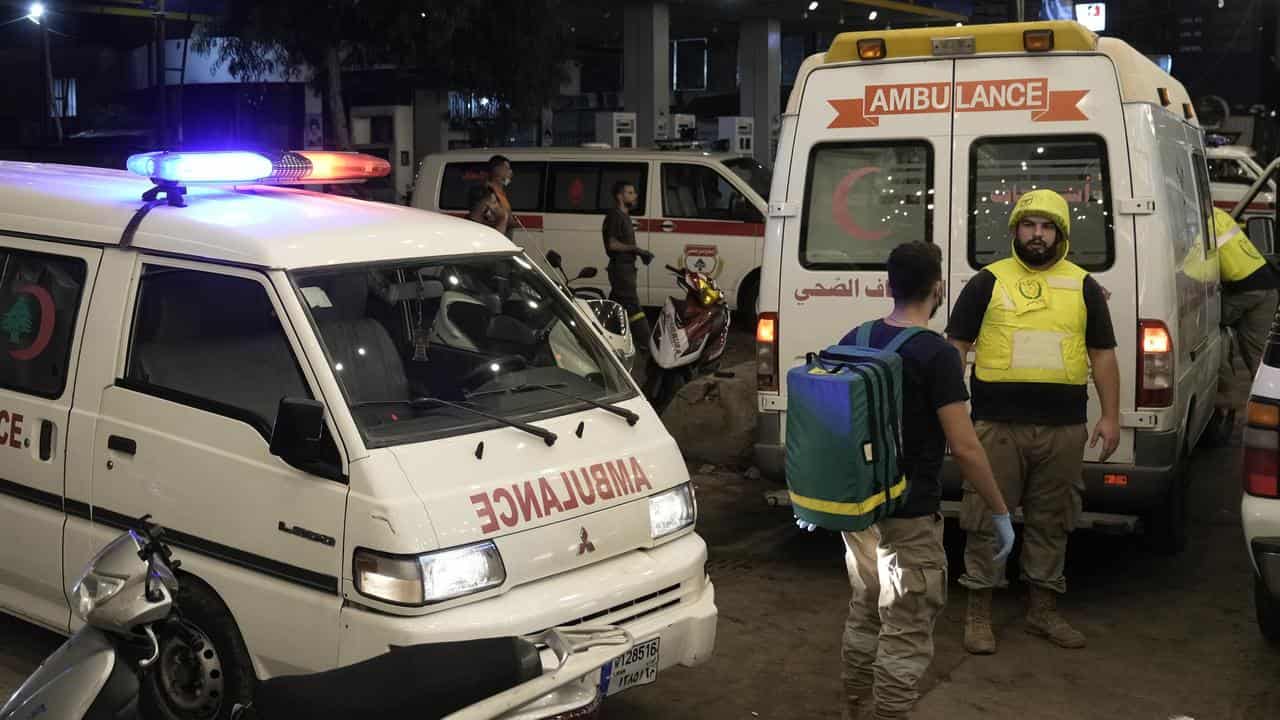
{"points": [[291, 168]]}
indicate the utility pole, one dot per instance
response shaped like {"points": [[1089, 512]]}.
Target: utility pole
{"points": [[54, 112]]}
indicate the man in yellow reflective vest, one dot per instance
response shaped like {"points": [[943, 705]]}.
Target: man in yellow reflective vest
{"points": [[1037, 324], [1249, 300]]}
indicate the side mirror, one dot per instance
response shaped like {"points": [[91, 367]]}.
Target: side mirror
{"points": [[299, 438], [1262, 233], [554, 259], [587, 273]]}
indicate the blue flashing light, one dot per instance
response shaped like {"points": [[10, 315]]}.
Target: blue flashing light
{"points": [[201, 167]]}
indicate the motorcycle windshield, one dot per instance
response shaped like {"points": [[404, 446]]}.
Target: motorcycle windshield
{"points": [[445, 346]]}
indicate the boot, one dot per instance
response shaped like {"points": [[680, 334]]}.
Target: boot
{"points": [[978, 638], [1043, 620]]}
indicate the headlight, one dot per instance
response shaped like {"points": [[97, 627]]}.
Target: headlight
{"points": [[430, 578], [94, 589], [671, 511]]}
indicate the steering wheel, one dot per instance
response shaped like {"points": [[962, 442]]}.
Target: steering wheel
{"points": [[491, 369]]}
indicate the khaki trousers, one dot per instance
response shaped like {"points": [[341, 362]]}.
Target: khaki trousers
{"points": [[1250, 314], [1040, 468], [898, 570]]}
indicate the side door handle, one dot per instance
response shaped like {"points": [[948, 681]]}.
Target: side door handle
{"points": [[46, 440], [668, 226], [122, 444]]}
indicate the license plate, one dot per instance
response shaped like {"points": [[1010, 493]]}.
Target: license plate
{"points": [[637, 666]]}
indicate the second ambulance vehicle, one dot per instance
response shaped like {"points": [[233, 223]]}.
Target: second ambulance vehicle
{"points": [[363, 425], [932, 135]]}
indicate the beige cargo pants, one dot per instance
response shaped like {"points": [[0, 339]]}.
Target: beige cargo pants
{"points": [[898, 570], [1250, 314], [1040, 468]]}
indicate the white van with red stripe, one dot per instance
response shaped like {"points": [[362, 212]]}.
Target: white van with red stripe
{"points": [[1232, 170], [699, 210], [931, 135]]}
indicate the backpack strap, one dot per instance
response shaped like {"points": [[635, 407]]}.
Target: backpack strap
{"points": [[901, 338], [863, 336]]}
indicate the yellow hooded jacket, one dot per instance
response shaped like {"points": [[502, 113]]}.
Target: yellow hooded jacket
{"points": [[1034, 327], [1238, 257]]}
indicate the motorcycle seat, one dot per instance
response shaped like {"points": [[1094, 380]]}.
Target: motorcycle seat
{"points": [[421, 681]]}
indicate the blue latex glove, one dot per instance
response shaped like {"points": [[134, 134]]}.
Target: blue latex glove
{"points": [[805, 525], [1004, 534]]}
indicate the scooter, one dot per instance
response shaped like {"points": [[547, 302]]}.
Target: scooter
{"points": [[689, 338], [128, 592], [610, 317]]}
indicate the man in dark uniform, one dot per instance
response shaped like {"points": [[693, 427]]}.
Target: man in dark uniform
{"points": [[620, 244]]}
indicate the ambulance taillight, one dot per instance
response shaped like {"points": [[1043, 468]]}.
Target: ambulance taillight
{"points": [[767, 352], [1261, 467], [1155, 364]]}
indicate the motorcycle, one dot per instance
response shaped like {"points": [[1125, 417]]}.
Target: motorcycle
{"points": [[688, 339], [128, 594]]}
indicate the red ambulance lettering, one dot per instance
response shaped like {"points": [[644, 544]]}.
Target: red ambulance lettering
{"points": [[484, 511], [549, 499], [572, 502], [508, 519], [637, 474], [12, 429], [601, 480], [1026, 94], [621, 480], [588, 494], [527, 499]]}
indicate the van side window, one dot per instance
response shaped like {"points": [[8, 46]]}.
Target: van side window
{"points": [[698, 191], [213, 342], [1205, 203], [524, 192], [1229, 170], [1001, 170], [588, 187], [39, 302], [864, 199]]}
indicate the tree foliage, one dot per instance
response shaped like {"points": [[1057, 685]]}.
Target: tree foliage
{"points": [[511, 50]]}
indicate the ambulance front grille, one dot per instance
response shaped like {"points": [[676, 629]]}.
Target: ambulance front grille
{"points": [[631, 610]]}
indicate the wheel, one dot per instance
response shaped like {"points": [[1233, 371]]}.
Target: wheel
{"points": [[1268, 611], [660, 386], [748, 293], [204, 668], [1167, 523], [1218, 432]]}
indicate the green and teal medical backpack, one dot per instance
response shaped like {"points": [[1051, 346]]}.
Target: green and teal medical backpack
{"points": [[844, 437]]}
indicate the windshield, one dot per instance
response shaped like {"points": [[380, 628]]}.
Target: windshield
{"points": [[757, 176], [487, 334]]}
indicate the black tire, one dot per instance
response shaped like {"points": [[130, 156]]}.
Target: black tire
{"points": [[660, 386], [1219, 430], [1268, 611], [204, 668], [748, 293], [1166, 524]]}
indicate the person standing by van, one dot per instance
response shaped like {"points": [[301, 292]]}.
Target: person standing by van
{"points": [[620, 245], [898, 567], [1038, 323], [1249, 301], [483, 207], [500, 176]]}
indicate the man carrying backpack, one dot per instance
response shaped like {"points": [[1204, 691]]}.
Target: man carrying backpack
{"points": [[1037, 324], [897, 567]]}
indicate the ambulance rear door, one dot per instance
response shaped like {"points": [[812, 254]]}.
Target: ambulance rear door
{"points": [[1031, 122], [869, 169]]}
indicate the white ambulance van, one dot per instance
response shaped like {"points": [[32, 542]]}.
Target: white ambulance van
{"points": [[1232, 170], [931, 135], [363, 425], [698, 210]]}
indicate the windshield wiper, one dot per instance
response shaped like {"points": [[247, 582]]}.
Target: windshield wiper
{"points": [[547, 436], [618, 410]]}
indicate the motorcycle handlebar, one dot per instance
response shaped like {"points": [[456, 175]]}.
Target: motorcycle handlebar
{"points": [[675, 270]]}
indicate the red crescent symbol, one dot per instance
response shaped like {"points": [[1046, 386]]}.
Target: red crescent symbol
{"points": [[45, 334], [840, 207]]}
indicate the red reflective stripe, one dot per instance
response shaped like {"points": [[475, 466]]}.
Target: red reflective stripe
{"points": [[709, 227], [530, 222], [1253, 207]]}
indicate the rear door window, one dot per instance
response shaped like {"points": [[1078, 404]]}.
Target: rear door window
{"points": [[524, 192], [864, 199], [1004, 169]]}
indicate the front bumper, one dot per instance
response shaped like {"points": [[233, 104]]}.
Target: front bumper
{"points": [[1260, 518], [661, 592]]}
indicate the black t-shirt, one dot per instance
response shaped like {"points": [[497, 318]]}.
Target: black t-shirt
{"points": [[933, 377], [1025, 402], [1264, 278], [617, 225]]}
